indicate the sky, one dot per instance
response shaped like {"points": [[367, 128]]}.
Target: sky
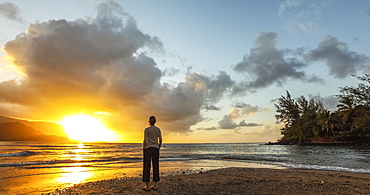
{"points": [[210, 71]]}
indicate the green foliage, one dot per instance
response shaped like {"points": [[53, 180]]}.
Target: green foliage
{"points": [[287, 110], [307, 121], [359, 95], [299, 117]]}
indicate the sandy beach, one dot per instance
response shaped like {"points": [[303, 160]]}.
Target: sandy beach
{"points": [[236, 181]]}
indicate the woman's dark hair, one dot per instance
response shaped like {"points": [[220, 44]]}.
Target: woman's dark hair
{"points": [[152, 120]]}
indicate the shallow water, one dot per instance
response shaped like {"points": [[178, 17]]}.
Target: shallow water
{"points": [[34, 167]]}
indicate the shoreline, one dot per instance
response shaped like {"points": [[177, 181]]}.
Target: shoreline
{"points": [[235, 180], [338, 143], [32, 181]]}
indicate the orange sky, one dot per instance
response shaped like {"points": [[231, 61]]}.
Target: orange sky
{"points": [[96, 59], [86, 67]]}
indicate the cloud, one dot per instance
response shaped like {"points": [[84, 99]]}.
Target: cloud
{"points": [[227, 122], [302, 15], [170, 71], [267, 65], [183, 103], [244, 124], [81, 65], [308, 27], [208, 128], [338, 58], [330, 102], [288, 4], [247, 109], [266, 130], [11, 12], [368, 11], [101, 64], [241, 109], [263, 134], [209, 107], [219, 86]]}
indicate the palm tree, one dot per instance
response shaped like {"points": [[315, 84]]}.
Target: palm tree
{"points": [[345, 107], [327, 123], [346, 104]]}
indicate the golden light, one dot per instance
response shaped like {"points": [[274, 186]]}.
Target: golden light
{"points": [[75, 175], [10, 70], [77, 172], [86, 128]]}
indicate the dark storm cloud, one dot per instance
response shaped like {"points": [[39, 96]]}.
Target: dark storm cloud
{"points": [[267, 65], [100, 64], [83, 56], [338, 58], [11, 12], [183, 103]]}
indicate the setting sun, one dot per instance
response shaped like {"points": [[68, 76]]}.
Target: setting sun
{"points": [[86, 128]]}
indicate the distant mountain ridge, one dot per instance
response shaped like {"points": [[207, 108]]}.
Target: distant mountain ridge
{"points": [[4, 119], [22, 130]]}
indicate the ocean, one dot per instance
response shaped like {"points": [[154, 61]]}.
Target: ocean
{"points": [[37, 167]]}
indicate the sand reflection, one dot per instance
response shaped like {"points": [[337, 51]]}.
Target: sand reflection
{"points": [[76, 172], [74, 175]]}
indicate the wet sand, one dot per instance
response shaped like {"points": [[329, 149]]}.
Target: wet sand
{"points": [[236, 181]]}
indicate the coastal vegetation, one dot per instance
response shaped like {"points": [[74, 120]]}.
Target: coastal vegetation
{"points": [[308, 121]]}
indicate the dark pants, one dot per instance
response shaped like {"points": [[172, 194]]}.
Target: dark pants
{"points": [[151, 155]]}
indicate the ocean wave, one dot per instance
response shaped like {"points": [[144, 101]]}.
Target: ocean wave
{"points": [[301, 166], [23, 153], [270, 158], [53, 146], [281, 163], [70, 162], [28, 163], [175, 159], [327, 168]]}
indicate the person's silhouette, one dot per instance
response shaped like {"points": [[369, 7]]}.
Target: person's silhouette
{"points": [[151, 145]]}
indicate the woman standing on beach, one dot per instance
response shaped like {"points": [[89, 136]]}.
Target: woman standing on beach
{"points": [[151, 145]]}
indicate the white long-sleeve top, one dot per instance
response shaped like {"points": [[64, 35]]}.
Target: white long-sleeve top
{"points": [[152, 137]]}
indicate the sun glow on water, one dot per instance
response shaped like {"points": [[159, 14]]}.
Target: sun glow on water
{"points": [[86, 128]]}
